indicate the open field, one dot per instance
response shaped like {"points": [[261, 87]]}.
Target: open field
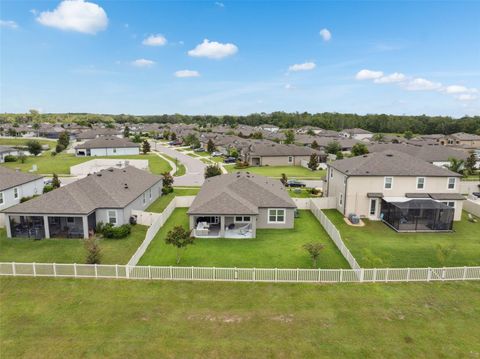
{"points": [[162, 202], [273, 248], [114, 251], [276, 171], [377, 245], [75, 318], [23, 142], [61, 163]]}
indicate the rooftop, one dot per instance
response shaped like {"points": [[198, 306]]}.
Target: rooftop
{"points": [[11, 178], [108, 142]]}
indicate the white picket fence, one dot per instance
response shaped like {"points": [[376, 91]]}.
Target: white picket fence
{"points": [[373, 275], [334, 234]]}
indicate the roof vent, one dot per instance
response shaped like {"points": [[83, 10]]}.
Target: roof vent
{"points": [[110, 170], [125, 186], [99, 174], [389, 155], [364, 156]]}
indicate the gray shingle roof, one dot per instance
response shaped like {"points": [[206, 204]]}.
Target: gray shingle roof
{"points": [[429, 153], [462, 136], [390, 163], [11, 178], [6, 149], [108, 142], [111, 188], [240, 193], [276, 149]]}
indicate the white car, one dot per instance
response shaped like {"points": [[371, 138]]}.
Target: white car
{"points": [[216, 154]]}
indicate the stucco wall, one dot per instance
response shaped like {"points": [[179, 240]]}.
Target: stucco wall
{"points": [[24, 190], [282, 160]]}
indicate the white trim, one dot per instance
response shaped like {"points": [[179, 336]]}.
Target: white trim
{"points": [[290, 159], [385, 182], [454, 183], [16, 193], [447, 203], [424, 183], [370, 207], [276, 215], [109, 217], [243, 219]]}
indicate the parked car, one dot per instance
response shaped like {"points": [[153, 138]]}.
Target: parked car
{"points": [[295, 183], [199, 149], [175, 143], [217, 154], [230, 160]]}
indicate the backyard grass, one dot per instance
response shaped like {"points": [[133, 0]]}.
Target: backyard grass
{"points": [[114, 251], [273, 248], [301, 193], [377, 245], [291, 172], [162, 202], [23, 142], [61, 163], [86, 318]]}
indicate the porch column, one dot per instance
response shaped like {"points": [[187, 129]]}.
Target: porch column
{"points": [[7, 226], [85, 226], [222, 226], [254, 226], [46, 227]]}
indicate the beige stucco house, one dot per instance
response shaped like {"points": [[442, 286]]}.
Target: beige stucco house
{"points": [[269, 153], [403, 191]]}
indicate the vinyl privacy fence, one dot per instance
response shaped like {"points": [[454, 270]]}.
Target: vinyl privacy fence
{"points": [[373, 275]]}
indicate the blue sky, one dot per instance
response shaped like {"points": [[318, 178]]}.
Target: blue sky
{"points": [[232, 57]]}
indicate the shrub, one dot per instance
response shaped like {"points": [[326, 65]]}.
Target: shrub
{"points": [[99, 227], [94, 254], [167, 190], [314, 191], [53, 153], [59, 148], [241, 164], [10, 158], [109, 231], [212, 171], [48, 188], [25, 199]]}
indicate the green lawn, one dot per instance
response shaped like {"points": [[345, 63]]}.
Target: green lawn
{"points": [[114, 251], [180, 167], [300, 193], [162, 202], [377, 245], [273, 248], [62, 162], [23, 142], [276, 171], [86, 318]]}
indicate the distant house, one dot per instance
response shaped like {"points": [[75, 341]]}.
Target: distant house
{"points": [[356, 133], [268, 128], [405, 192], [7, 151], [267, 153], [14, 185], [96, 133], [107, 146], [74, 210], [462, 140], [235, 205], [309, 130]]}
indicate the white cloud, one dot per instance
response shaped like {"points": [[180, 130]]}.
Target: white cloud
{"points": [[75, 15], [325, 34], [213, 50], [466, 97], [219, 4], [395, 77], [421, 84], [455, 89], [143, 63], [8, 23], [289, 87], [306, 66], [155, 40], [368, 74], [187, 73]]}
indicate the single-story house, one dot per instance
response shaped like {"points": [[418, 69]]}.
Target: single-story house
{"points": [[405, 192], [15, 185], [460, 139], [268, 153], [74, 210], [98, 132], [356, 133], [7, 151], [235, 205], [107, 146]]}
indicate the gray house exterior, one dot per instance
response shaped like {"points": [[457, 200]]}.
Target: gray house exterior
{"points": [[235, 205], [108, 196]]}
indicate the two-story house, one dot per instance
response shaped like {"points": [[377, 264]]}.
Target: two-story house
{"points": [[407, 193]]}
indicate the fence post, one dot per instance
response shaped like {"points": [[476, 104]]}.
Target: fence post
{"points": [[276, 275], [116, 271], [386, 275], [192, 266], [464, 273], [34, 269], [14, 271], [254, 276], [361, 274], [374, 275], [408, 275], [96, 271], [214, 273], [54, 270], [341, 275], [171, 273], [75, 270], [318, 275], [149, 272], [235, 276], [297, 274], [429, 274], [127, 271]]}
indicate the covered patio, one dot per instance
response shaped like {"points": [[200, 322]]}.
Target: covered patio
{"points": [[223, 226], [416, 215]]}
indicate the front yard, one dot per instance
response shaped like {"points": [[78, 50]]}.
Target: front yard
{"points": [[114, 251], [273, 248], [61, 163], [376, 245], [291, 172]]}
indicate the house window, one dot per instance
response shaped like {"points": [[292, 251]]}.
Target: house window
{"points": [[373, 207], [450, 204], [112, 217], [150, 193], [340, 200], [451, 182], [15, 193], [290, 159], [70, 219], [242, 219], [420, 182], [276, 216], [144, 198], [114, 150], [388, 183], [1, 198], [331, 173]]}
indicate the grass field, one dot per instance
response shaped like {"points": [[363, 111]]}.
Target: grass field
{"points": [[61, 163], [75, 318], [162, 202], [276, 171], [273, 248], [114, 251], [23, 142], [180, 167], [377, 245]]}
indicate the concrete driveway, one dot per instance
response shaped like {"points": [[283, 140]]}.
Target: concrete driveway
{"points": [[195, 168]]}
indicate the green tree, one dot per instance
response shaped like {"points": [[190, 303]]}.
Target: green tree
{"points": [[126, 132], [315, 145], [137, 138], [359, 149], [212, 170], [94, 253], [34, 147], [167, 183], [64, 139], [333, 147], [470, 163], [314, 249], [289, 137], [379, 137], [180, 238], [284, 179], [456, 165], [408, 134], [56, 181], [310, 132], [444, 253], [145, 147], [233, 152], [257, 135], [313, 162], [339, 155], [210, 146], [173, 136]]}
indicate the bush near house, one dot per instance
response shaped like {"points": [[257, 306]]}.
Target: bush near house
{"points": [[109, 231]]}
